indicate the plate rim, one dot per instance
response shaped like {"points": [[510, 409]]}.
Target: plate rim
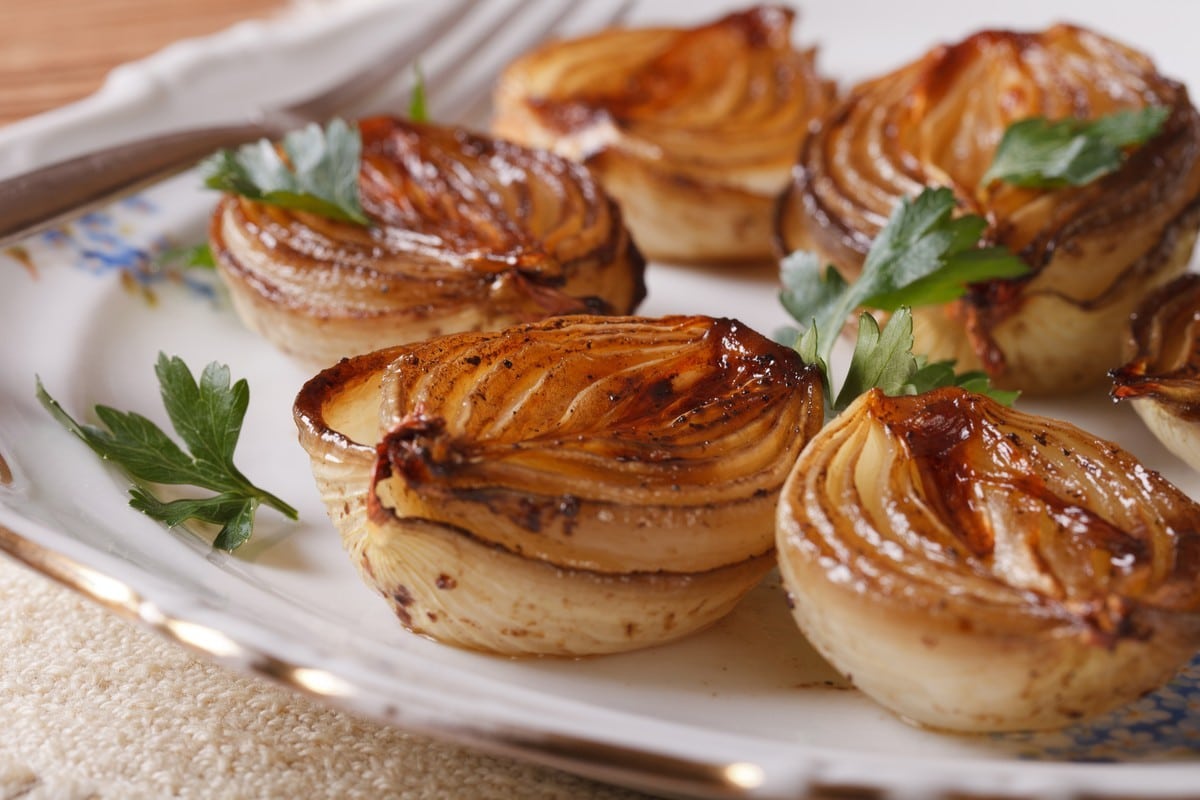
{"points": [[791, 770]]}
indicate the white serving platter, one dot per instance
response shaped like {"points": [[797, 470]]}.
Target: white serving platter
{"points": [[745, 708]]}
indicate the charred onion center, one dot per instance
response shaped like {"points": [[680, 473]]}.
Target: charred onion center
{"points": [[976, 568], [577, 486], [1032, 521], [468, 233], [692, 130], [1094, 250], [1164, 350], [548, 438]]}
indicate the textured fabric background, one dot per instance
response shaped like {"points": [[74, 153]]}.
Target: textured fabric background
{"points": [[91, 706]]}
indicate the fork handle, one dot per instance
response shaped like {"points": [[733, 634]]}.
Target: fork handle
{"points": [[36, 200]]}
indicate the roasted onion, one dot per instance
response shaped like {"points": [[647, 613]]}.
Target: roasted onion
{"points": [[468, 233], [583, 485], [1094, 250], [693, 131], [976, 568], [1161, 377]]}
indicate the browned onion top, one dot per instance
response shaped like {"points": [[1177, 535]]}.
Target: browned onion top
{"points": [[938, 120], [1164, 346], [452, 211], [955, 504], [674, 411], [725, 95]]}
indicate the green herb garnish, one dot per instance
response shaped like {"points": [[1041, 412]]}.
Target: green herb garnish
{"points": [[1037, 153], [208, 417], [418, 110], [923, 256], [198, 256], [884, 359], [317, 171]]}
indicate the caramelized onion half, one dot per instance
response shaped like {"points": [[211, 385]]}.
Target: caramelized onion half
{"points": [[1094, 250], [693, 131], [1162, 375], [975, 568], [468, 233], [583, 485]]}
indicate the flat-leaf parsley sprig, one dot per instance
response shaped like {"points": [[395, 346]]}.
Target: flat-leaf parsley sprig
{"points": [[207, 416], [418, 102], [316, 172], [924, 255], [197, 256], [1043, 154], [313, 169]]}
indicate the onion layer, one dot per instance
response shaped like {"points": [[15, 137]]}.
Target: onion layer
{"points": [[1094, 250], [693, 131], [1161, 378], [582, 485], [468, 233], [975, 568]]}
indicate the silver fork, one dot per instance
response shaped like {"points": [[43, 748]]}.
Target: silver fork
{"points": [[460, 50]]}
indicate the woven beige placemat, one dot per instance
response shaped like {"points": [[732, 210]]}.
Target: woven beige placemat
{"points": [[92, 706]]}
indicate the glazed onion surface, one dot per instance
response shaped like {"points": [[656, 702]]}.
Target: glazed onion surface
{"points": [[693, 131], [583, 485], [1162, 376], [975, 568], [1094, 250], [468, 233]]}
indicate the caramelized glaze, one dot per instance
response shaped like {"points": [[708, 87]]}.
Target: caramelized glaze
{"points": [[1164, 350], [976, 568], [1093, 250], [608, 413], [692, 130], [467, 232], [990, 493], [582, 485]]}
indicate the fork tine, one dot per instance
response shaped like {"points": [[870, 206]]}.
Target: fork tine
{"points": [[351, 92], [460, 90], [34, 200], [447, 71]]}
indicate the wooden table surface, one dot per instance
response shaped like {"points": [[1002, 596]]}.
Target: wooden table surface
{"points": [[55, 51]]}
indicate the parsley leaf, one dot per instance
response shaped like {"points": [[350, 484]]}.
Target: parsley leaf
{"points": [[208, 417], [317, 171], [198, 256], [816, 298], [884, 359], [1038, 153], [418, 108], [881, 358], [923, 256]]}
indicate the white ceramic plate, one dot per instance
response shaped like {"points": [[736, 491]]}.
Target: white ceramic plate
{"points": [[745, 707]]}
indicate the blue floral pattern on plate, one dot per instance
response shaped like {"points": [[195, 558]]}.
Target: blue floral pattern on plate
{"points": [[1162, 725], [111, 240]]}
